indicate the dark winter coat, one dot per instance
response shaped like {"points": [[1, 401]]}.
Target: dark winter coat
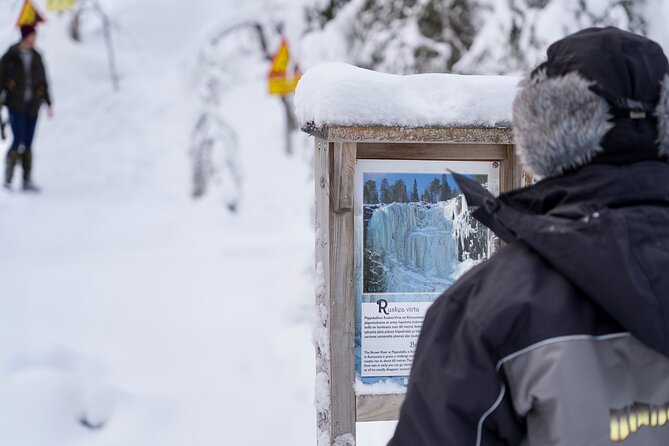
{"points": [[561, 338], [13, 81]]}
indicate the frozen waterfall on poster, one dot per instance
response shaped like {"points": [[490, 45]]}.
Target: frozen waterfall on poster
{"points": [[414, 237]]}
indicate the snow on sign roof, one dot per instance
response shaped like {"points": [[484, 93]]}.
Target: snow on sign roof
{"points": [[341, 94]]}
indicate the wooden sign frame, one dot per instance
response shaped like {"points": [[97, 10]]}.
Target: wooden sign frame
{"points": [[337, 150]]}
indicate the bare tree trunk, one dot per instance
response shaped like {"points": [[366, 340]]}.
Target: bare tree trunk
{"points": [[291, 122], [75, 33], [106, 26], [74, 26]]}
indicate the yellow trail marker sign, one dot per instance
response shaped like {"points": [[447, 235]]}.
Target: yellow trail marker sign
{"points": [[280, 82], [60, 5], [29, 15]]}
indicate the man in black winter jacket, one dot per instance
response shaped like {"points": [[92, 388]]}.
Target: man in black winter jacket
{"points": [[23, 83], [562, 338]]}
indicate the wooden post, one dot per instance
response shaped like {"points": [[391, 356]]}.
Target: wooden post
{"points": [[335, 293], [344, 168], [342, 291], [507, 178], [322, 325]]}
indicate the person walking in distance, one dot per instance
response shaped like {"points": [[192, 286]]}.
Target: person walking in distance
{"points": [[24, 84]]}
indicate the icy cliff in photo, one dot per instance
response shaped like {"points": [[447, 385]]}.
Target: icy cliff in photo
{"points": [[418, 247]]}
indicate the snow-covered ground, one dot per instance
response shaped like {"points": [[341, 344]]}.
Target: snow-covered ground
{"points": [[122, 300]]}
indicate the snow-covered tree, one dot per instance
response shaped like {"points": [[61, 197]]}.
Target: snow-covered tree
{"points": [[407, 36], [514, 34], [466, 36], [214, 143]]}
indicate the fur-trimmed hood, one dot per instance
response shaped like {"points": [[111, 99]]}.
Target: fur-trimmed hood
{"points": [[602, 97]]}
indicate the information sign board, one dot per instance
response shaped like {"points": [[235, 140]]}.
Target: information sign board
{"points": [[414, 236]]}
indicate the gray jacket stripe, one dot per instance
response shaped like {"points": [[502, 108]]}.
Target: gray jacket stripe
{"points": [[559, 339], [479, 432]]}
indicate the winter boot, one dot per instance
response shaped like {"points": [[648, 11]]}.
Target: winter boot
{"points": [[29, 186], [10, 163], [27, 162]]}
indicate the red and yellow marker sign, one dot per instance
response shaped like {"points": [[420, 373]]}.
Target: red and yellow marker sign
{"points": [[29, 15], [280, 82]]}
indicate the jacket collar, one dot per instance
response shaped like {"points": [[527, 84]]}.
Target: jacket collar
{"points": [[574, 196]]}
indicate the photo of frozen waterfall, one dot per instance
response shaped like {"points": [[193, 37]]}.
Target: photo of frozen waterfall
{"points": [[414, 237], [417, 232]]}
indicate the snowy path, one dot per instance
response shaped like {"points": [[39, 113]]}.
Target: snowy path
{"points": [[124, 301], [189, 315], [194, 321]]}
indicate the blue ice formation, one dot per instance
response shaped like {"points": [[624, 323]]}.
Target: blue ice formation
{"points": [[416, 243]]}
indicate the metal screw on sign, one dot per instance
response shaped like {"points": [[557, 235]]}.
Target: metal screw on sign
{"points": [[495, 165]]}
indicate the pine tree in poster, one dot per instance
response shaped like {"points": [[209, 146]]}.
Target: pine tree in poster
{"points": [[414, 192], [445, 192], [386, 192], [400, 193], [434, 189], [370, 194]]}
